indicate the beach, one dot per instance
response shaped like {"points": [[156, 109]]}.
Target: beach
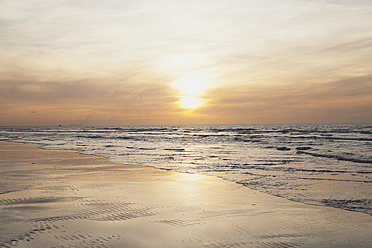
{"points": [[60, 198]]}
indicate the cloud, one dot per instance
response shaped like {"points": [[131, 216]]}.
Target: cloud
{"points": [[348, 100], [103, 61], [65, 101]]}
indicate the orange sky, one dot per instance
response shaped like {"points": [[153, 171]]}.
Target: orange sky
{"points": [[156, 62]]}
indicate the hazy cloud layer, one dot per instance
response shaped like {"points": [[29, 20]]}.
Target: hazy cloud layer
{"points": [[344, 101], [113, 62]]}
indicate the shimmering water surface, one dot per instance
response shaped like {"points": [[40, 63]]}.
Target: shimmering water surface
{"points": [[323, 164]]}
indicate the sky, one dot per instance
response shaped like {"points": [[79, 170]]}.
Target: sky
{"points": [[174, 62]]}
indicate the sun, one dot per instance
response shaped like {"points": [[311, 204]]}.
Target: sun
{"points": [[191, 88], [189, 102]]}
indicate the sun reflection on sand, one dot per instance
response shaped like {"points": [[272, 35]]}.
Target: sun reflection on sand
{"points": [[193, 185], [189, 177]]}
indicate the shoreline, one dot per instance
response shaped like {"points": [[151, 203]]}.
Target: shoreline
{"points": [[68, 198], [326, 202]]}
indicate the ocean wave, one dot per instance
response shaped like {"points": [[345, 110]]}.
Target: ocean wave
{"points": [[360, 205], [91, 136], [337, 157], [174, 149]]}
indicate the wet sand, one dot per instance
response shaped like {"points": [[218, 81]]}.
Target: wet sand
{"points": [[65, 199]]}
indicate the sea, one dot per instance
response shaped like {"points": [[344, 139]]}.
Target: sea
{"points": [[319, 164]]}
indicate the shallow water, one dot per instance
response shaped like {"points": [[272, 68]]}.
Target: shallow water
{"points": [[323, 164]]}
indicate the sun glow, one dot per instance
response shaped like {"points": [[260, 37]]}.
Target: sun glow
{"points": [[191, 88], [189, 102]]}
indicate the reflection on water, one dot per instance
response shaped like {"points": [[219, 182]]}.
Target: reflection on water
{"points": [[317, 164]]}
